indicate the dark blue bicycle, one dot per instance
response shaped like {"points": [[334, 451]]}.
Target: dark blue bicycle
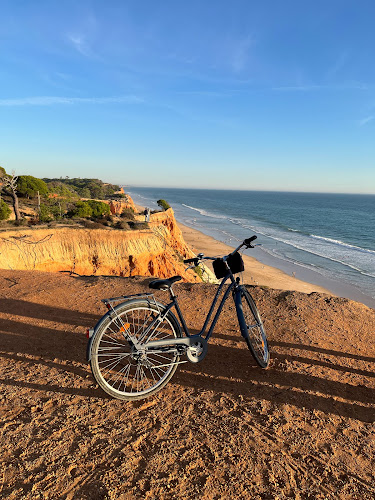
{"points": [[135, 348]]}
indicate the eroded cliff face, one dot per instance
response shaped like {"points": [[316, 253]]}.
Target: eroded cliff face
{"points": [[156, 251], [118, 206]]}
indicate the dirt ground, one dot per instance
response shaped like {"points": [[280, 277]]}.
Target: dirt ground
{"points": [[222, 428]]}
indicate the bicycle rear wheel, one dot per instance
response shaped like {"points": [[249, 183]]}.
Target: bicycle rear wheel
{"points": [[252, 329], [122, 371]]}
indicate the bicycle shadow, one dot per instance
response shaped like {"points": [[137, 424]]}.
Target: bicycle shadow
{"points": [[44, 312], [305, 347], [28, 340], [232, 370]]}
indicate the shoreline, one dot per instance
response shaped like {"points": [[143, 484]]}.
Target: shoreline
{"points": [[256, 273], [267, 274], [259, 273]]}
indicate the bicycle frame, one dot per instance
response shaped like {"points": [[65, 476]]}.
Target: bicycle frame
{"points": [[232, 285], [191, 339]]}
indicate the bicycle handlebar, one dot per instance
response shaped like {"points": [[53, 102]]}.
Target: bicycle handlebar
{"points": [[246, 243], [190, 261]]}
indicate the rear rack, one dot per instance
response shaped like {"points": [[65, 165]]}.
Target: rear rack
{"points": [[110, 302]]}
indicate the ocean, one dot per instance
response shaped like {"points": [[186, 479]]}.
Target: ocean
{"points": [[326, 239]]}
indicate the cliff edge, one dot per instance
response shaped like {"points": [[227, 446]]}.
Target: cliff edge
{"points": [[157, 250]]}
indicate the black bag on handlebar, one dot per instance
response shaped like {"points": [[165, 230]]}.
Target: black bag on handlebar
{"points": [[235, 263]]}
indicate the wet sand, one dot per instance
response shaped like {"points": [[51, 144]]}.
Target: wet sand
{"points": [[258, 273], [255, 272]]}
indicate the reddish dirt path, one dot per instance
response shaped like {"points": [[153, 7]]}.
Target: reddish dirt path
{"points": [[220, 429]]}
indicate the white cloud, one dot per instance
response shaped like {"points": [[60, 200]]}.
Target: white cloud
{"points": [[80, 43], [365, 120], [51, 100]]}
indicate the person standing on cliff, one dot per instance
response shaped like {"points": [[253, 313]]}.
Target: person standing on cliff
{"points": [[147, 214]]}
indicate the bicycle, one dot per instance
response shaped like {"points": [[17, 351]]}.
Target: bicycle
{"points": [[135, 348]]}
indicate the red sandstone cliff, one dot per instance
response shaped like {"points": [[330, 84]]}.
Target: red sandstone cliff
{"points": [[118, 206], [155, 251]]}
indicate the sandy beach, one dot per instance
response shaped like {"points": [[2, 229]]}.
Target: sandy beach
{"points": [[266, 274], [255, 272]]}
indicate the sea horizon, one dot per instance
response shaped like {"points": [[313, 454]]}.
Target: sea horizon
{"points": [[134, 186]]}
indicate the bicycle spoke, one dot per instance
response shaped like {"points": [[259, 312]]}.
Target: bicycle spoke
{"points": [[119, 374], [119, 368], [253, 330]]}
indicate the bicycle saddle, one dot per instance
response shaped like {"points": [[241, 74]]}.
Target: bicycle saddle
{"points": [[164, 284]]}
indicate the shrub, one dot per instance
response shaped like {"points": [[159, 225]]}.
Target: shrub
{"points": [[163, 204], [98, 208], [128, 214], [105, 221], [121, 224], [89, 224], [19, 222], [5, 211], [58, 209], [138, 225], [45, 214], [80, 210]]}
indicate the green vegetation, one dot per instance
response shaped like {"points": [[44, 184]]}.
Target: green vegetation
{"points": [[61, 200], [98, 208], [121, 224], [127, 214], [63, 190], [138, 224], [80, 209], [163, 204], [28, 186], [45, 213], [5, 211], [87, 188], [89, 208]]}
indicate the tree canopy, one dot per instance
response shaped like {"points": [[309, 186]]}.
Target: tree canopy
{"points": [[163, 204], [89, 208], [88, 188], [5, 211], [63, 190], [28, 186]]}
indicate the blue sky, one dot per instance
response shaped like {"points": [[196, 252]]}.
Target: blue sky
{"points": [[272, 95]]}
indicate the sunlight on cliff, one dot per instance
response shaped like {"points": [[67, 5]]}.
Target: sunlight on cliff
{"points": [[156, 251]]}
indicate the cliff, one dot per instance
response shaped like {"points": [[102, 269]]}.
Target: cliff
{"points": [[155, 251], [118, 206]]}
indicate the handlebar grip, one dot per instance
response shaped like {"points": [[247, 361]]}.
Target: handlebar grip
{"points": [[191, 261], [248, 241]]}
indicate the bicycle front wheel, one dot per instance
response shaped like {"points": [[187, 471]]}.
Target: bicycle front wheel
{"points": [[252, 329], [119, 369]]}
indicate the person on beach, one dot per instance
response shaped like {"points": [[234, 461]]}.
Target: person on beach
{"points": [[147, 214]]}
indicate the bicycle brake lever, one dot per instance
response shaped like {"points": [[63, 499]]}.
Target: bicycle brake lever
{"points": [[190, 267]]}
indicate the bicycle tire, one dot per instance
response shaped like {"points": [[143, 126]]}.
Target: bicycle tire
{"points": [[117, 367], [252, 329]]}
